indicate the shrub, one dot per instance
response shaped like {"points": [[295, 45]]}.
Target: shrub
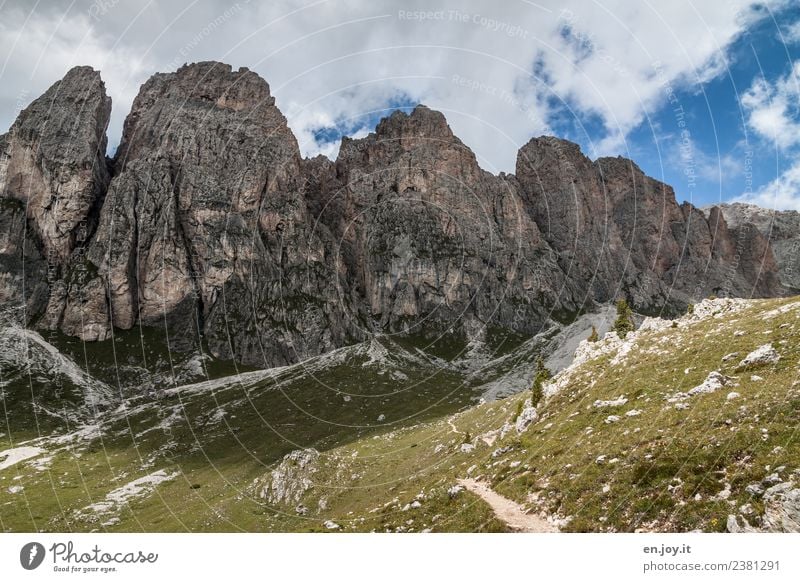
{"points": [[541, 376], [690, 309], [520, 406], [624, 323], [593, 337]]}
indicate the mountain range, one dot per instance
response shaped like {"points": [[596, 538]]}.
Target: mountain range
{"points": [[210, 229], [208, 332]]}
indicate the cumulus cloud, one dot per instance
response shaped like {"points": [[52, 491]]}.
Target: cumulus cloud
{"points": [[772, 113], [772, 108], [500, 71], [782, 193], [791, 33]]}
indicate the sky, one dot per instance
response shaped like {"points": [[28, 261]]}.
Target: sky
{"points": [[702, 95]]}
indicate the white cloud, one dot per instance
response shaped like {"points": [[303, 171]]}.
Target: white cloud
{"points": [[772, 108], [791, 33], [41, 49], [498, 70], [783, 193]]}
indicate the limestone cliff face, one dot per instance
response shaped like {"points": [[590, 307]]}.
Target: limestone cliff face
{"points": [[204, 231], [618, 232], [53, 175], [780, 228], [213, 229], [428, 239]]}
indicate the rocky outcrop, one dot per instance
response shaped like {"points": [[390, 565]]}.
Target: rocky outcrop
{"points": [[428, 239], [780, 228], [619, 232], [53, 176], [291, 478], [204, 232], [781, 511], [212, 229]]}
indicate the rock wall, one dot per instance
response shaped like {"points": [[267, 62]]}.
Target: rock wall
{"points": [[211, 227]]}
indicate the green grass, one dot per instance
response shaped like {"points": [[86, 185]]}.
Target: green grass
{"points": [[671, 465]]}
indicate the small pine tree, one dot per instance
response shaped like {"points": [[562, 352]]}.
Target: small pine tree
{"points": [[593, 337], [520, 406], [624, 323], [542, 375], [467, 437], [690, 309]]}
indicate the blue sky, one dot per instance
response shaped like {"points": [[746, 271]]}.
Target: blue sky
{"points": [[601, 73], [700, 141], [728, 156]]}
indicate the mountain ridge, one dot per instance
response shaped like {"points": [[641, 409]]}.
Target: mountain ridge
{"points": [[210, 226]]}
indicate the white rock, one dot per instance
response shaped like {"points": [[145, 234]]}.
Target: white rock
{"points": [[763, 355], [331, 524], [525, 418], [467, 447], [415, 505], [292, 477], [633, 412], [712, 383], [455, 490], [781, 511], [381, 418], [621, 401], [13, 456], [611, 419], [733, 395], [756, 378]]}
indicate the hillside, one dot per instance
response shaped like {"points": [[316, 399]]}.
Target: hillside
{"points": [[680, 426]]}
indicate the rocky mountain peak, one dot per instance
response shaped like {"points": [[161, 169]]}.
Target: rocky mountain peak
{"points": [[422, 122], [548, 151], [199, 94], [53, 161], [215, 230]]}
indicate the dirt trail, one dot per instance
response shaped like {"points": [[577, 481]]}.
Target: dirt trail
{"points": [[508, 511]]}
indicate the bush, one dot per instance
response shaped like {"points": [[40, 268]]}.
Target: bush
{"points": [[542, 375], [624, 323], [593, 337], [690, 309], [520, 406]]}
